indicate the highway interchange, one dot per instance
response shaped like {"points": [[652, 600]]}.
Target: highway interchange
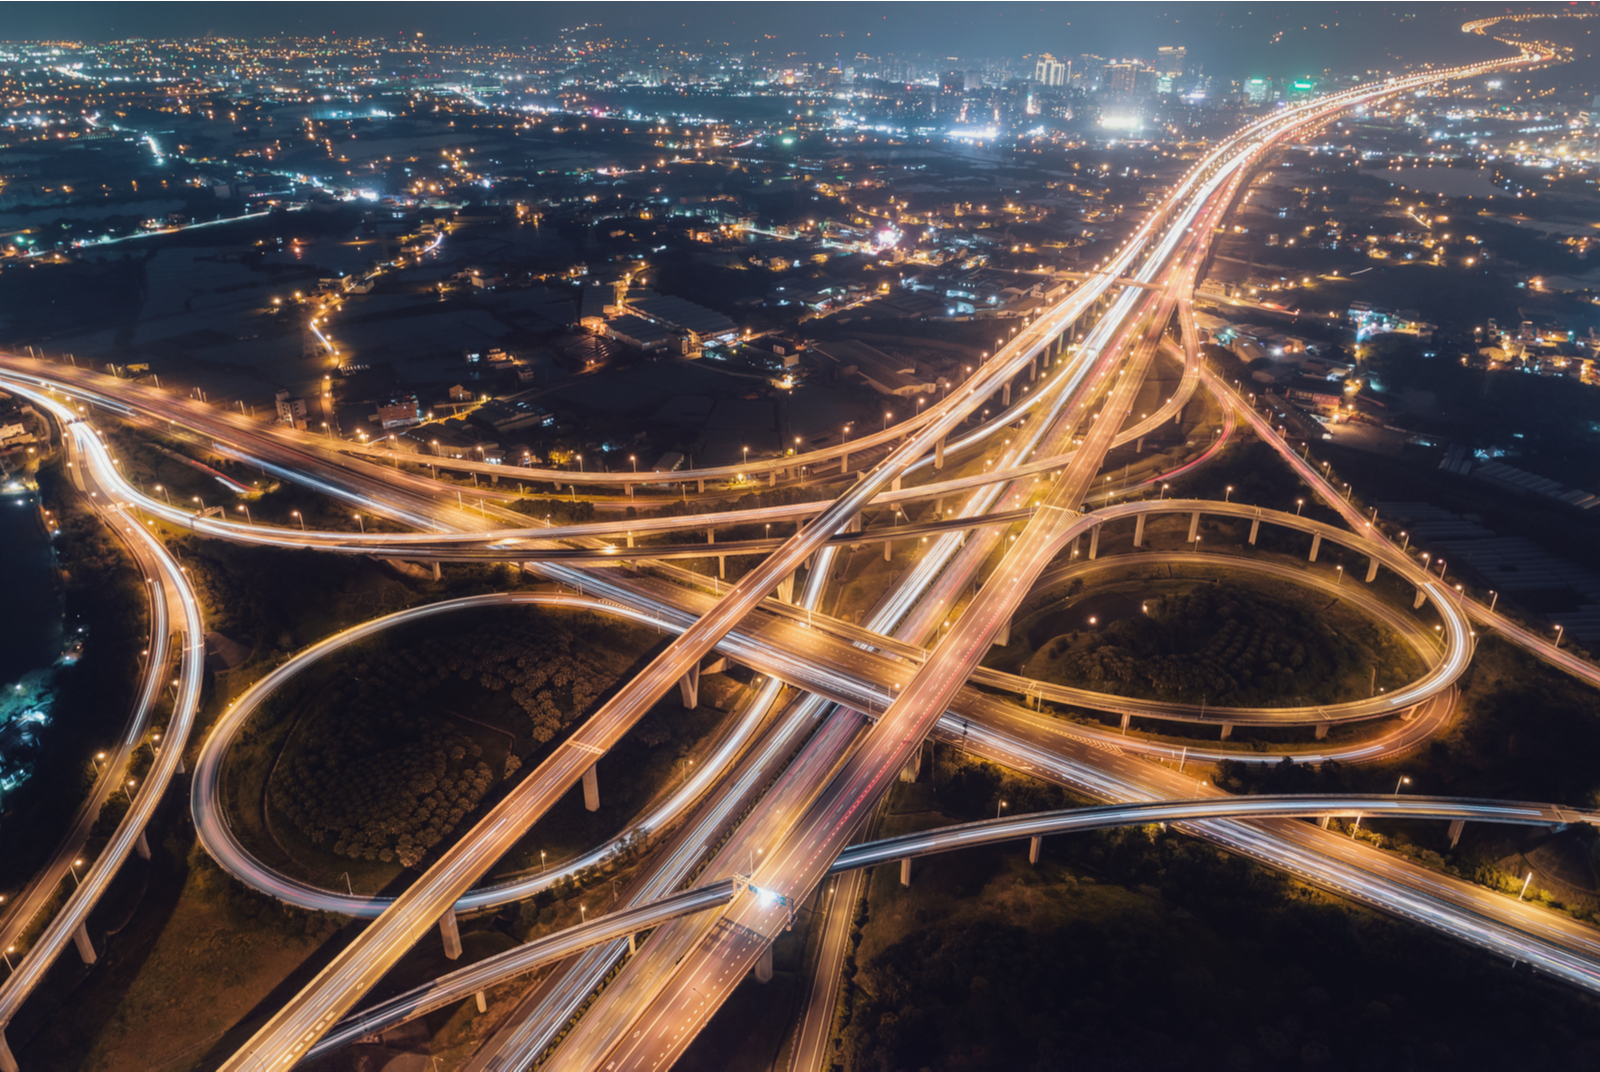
{"points": [[840, 710]]}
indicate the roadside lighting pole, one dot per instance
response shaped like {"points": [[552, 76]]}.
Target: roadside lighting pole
{"points": [[1000, 809], [1494, 597], [634, 458], [1558, 635], [1299, 504], [164, 494], [73, 867], [296, 514], [1340, 582], [1407, 544], [542, 855], [1403, 781], [245, 510], [1227, 495], [362, 523]]}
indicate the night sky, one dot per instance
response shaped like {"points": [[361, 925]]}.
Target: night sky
{"points": [[1230, 39]]}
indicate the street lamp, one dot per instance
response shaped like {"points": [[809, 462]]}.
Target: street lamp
{"points": [[635, 460], [362, 523], [542, 855], [1494, 597], [1340, 581], [1403, 781], [1164, 489], [245, 510], [1227, 496], [73, 867], [1558, 635], [1000, 809], [1299, 504], [296, 514]]}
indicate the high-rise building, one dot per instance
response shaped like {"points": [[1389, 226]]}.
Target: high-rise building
{"points": [[1257, 90], [1120, 77], [1050, 71], [1170, 60]]}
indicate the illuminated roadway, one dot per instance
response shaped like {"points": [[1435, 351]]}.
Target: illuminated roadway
{"points": [[992, 608]]}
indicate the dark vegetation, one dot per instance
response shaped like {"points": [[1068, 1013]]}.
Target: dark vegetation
{"points": [[1223, 645], [105, 597], [1149, 950], [374, 772]]}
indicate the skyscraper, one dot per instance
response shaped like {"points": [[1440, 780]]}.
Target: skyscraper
{"points": [[1050, 71]]}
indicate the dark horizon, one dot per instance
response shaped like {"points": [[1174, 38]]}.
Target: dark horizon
{"points": [[1228, 39]]}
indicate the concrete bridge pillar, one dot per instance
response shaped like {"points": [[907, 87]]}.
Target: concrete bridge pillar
{"points": [[722, 567], [1255, 529], [436, 571], [1127, 718], [772, 478], [1372, 569], [483, 1002], [1034, 845], [1322, 730], [8, 1060], [1094, 541], [1194, 525], [1456, 826], [1421, 596], [1002, 636], [786, 589], [80, 938], [1033, 368], [913, 766], [1138, 531], [702, 485], [142, 847], [1323, 821], [633, 944], [895, 484], [764, 965], [1316, 545], [689, 686], [451, 934], [1138, 445], [938, 453], [627, 489], [591, 788], [1227, 730], [1005, 394], [886, 544], [844, 462], [905, 871], [630, 539]]}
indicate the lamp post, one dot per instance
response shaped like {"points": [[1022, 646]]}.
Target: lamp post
{"points": [[73, 867], [296, 514], [1299, 504], [1403, 781], [1227, 495], [1559, 630], [245, 510], [1494, 597], [362, 523], [1000, 809]]}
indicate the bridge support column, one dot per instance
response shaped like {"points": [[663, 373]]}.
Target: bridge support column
{"points": [[436, 571], [764, 965], [1034, 845], [630, 539], [1323, 821], [627, 489], [1255, 530], [1421, 596], [591, 788], [1033, 369], [905, 871], [1002, 636], [1372, 569], [886, 550], [1316, 545], [1227, 730], [451, 934], [633, 944], [1005, 394], [1138, 445], [1194, 525], [1456, 826], [786, 589], [772, 478], [913, 766], [1094, 541], [1138, 531], [895, 486], [80, 938], [844, 462], [938, 453], [702, 485], [142, 847], [722, 567], [8, 1060], [689, 687], [1126, 719], [1322, 730], [483, 1002]]}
